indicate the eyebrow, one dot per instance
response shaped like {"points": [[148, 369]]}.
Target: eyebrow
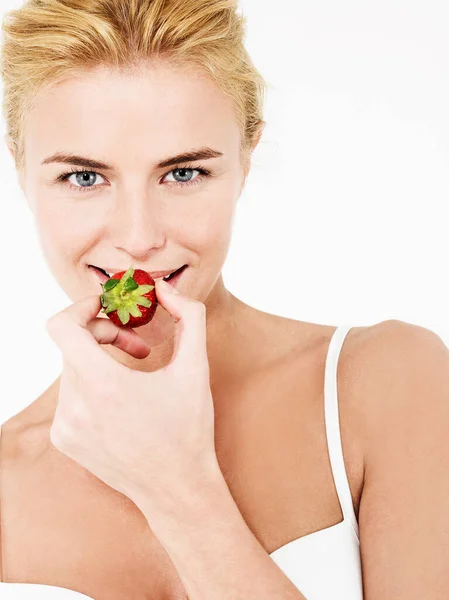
{"points": [[189, 156]]}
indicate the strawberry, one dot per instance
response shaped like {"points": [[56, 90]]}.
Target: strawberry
{"points": [[122, 294]]}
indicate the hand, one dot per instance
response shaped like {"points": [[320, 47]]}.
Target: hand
{"points": [[143, 434]]}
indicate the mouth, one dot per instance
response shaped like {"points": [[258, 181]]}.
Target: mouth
{"points": [[172, 278]]}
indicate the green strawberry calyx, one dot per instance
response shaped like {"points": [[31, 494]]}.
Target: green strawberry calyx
{"points": [[123, 295]]}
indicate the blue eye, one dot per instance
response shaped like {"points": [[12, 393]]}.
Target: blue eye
{"points": [[183, 172], [81, 177]]}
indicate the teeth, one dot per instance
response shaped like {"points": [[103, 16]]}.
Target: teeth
{"points": [[165, 278]]}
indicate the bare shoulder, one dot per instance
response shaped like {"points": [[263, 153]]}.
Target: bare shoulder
{"points": [[379, 364], [392, 344], [20, 438], [25, 434], [378, 368]]}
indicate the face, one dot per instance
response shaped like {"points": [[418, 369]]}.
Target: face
{"points": [[135, 212]]}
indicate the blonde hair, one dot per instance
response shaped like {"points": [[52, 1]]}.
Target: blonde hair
{"points": [[46, 41]]}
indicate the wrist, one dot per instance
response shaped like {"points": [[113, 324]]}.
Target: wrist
{"points": [[185, 496]]}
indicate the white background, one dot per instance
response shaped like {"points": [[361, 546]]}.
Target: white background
{"points": [[344, 216]]}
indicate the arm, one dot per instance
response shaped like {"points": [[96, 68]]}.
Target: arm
{"points": [[214, 552], [404, 509]]}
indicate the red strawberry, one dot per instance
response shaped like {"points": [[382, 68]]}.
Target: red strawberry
{"points": [[129, 298]]}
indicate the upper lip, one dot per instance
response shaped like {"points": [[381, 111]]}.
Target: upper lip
{"points": [[154, 274]]}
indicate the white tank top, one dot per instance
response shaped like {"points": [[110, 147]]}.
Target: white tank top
{"points": [[322, 565]]}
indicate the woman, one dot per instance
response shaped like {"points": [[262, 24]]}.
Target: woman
{"points": [[155, 108]]}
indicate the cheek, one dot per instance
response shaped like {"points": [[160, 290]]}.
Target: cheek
{"points": [[211, 234], [62, 233]]}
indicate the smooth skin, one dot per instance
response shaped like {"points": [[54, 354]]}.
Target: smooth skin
{"points": [[266, 373]]}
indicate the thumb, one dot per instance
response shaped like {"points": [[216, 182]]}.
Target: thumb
{"points": [[190, 323], [106, 332]]}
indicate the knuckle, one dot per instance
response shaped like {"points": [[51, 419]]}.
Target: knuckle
{"points": [[76, 418]]}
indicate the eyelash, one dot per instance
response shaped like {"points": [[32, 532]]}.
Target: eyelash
{"points": [[204, 173]]}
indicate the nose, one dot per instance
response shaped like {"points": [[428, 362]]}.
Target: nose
{"points": [[136, 225]]}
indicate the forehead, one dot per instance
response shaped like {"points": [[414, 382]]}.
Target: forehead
{"points": [[160, 108]]}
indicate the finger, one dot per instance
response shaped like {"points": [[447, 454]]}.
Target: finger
{"points": [[106, 332], [190, 324], [68, 329]]}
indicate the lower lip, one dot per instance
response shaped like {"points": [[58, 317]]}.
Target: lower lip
{"points": [[173, 281]]}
